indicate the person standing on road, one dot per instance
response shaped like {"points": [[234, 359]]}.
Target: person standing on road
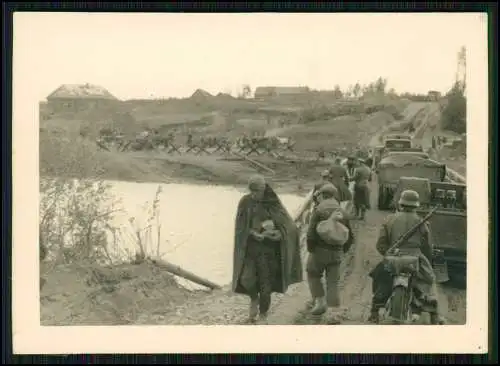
{"points": [[369, 162], [340, 179], [419, 245], [361, 190], [266, 248], [324, 259], [351, 165], [325, 179]]}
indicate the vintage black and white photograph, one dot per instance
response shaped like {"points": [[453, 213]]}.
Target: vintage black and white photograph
{"points": [[254, 169]]}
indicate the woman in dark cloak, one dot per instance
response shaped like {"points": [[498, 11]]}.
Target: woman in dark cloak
{"points": [[263, 264]]}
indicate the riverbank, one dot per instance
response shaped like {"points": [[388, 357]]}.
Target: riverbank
{"points": [[80, 294]]}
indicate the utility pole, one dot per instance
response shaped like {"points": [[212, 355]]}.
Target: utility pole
{"points": [[461, 69]]}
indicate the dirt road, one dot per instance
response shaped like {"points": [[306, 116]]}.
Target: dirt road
{"points": [[223, 307]]}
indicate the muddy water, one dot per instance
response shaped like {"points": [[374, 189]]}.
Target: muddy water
{"points": [[196, 224]]}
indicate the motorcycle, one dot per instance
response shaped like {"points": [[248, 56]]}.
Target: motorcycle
{"points": [[402, 305]]}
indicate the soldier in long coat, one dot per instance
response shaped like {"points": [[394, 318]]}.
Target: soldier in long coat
{"points": [[361, 190], [263, 264]]}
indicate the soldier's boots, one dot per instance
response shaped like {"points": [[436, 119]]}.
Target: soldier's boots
{"points": [[374, 317], [436, 319], [333, 316], [263, 319], [254, 310], [319, 307]]}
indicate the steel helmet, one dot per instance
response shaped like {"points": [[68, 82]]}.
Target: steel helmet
{"points": [[325, 173], [329, 189], [409, 198]]}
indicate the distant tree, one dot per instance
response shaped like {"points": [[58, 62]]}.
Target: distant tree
{"points": [[356, 90], [368, 89], [455, 112], [246, 91], [380, 85], [337, 92]]}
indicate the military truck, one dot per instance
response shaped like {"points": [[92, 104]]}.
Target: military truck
{"points": [[397, 143], [400, 136], [449, 223], [414, 152], [381, 152], [391, 168]]}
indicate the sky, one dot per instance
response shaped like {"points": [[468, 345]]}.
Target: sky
{"points": [[172, 55]]}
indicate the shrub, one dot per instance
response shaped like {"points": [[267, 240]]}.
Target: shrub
{"points": [[77, 225], [454, 113], [75, 220]]}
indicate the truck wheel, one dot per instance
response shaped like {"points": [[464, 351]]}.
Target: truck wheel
{"points": [[380, 199]]}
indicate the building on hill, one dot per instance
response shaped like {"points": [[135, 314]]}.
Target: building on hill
{"points": [[294, 90], [200, 95], [264, 91], [225, 95], [77, 97], [43, 111], [433, 95], [278, 91]]}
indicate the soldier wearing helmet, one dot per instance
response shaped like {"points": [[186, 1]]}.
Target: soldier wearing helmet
{"points": [[325, 179], [351, 166], [418, 245], [340, 178], [324, 259], [327, 191], [361, 190]]}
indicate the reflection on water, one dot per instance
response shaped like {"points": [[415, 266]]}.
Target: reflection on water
{"points": [[197, 223]]}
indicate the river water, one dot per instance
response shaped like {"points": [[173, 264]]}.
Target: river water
{"points": [[196, 223]]}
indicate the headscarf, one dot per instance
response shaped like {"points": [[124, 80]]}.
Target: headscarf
{"points": [[256, 182]]}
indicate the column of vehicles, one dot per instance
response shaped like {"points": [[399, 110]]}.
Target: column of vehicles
{"points": [[399, 165]]}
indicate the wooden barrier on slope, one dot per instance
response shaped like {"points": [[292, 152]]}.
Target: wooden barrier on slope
{"points": [[255, 163]]}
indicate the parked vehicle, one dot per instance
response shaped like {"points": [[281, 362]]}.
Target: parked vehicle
{"points": [[382, 151], [397, 143], [392, 168], [449, 221], [400, 136], [414, 151]]}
